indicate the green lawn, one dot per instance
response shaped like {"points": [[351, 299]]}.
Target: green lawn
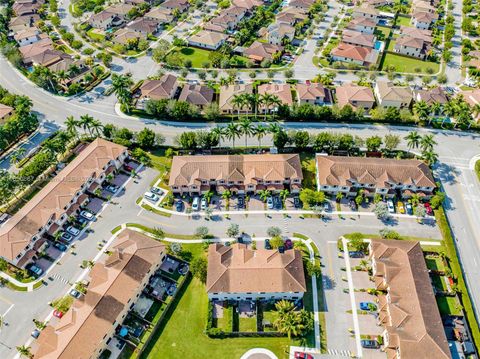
{"points": [[391, 45], [435, 263], [308, 169], [248, 324], [403, 20], [449, 306], [477, 169], [225, 323], [382, 32], [197, 56], [408, 64], [439, 282], [94, 35], [181, 334]]}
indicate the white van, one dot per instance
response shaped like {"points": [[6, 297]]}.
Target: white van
{"points": [[196, 203]]}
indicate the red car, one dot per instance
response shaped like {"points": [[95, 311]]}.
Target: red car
{"points": [[302, 355], [57, 313], [128, 168], [429, 209]]}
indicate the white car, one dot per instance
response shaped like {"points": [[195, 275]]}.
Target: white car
{"points": [[152, 197], [73, 231], [391, 207], [270, 203], [203, 204], [195, 203], [87, 215]]}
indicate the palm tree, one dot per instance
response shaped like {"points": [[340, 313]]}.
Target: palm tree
{"points": [[218, 133], [264, 194], [275, 102], [95, 127], [427, 142], [274, 128], [86, 123], [266, 100], [232, 132], [246, 128], [16, 156], [260, 132], [415, 199], [284, 306], [430, 157], [253, 100], [422, 110], [283, 195], [72, 125], [237, 103], [24, 351], [121, 87], [413, 139], [289, 324]]}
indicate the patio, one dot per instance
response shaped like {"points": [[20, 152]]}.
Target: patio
{"points": [[143, 305]]}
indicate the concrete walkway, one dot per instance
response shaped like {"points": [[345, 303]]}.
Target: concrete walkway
{"points": [[260, 353]]}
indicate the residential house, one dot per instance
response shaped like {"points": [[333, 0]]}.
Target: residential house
{"points": [[277, 275], [247, 4], [29, 51], [280, 33], [199, 95], [383, 176], [362, 56], [366, 11], [50, 208], [29, 36], [281, 91], [357, 38], [411, 46], [358, 97], [24, 22], [363, 25], [5, 112], [124, 35], [472, 97], [313, 93], [227, 94], [423, 20], [112, 16], [291, 16], [389, 95], [163, 16], [425, 35], [423, 6], [378, 3], [21, 8], [431, 96], [408, 310], [301, 4], [207, 39], [164, 88], [145, 26], [259, 51], [54, 60], [115, 283], [242, 174], [180, 5]]}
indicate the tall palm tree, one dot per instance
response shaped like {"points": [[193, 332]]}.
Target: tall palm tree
{"points": [[260, 132], [86, 122], [430, 157], [72, 125], [246, 128], [121, 87], [218, 133], [253, 99], [413, 139], [24, 351], [274, 128], [427, 142], [284, 306], [422, 110], [232, 132], [264, 194], [96, 127], [237, 103], [266, 101], [275, 102]]}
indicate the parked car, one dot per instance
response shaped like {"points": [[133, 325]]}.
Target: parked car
{"points": [[326, 207], [152, 197], [355, 254], [288, 244], [401, 207], [269, 203], [67, 237], [409, 208], [75, 293], [57, 313], [428, 209], [277, 202], [74, 231], [203, 203], [112, 188], [35, 270], [267, 244], [391, 207], [87, 215], [241, 202], [60, 246], [370, 306], [296, 202], [369, 344], [179, 206], [302, 355], [35, 334], [196, 204], [353, 205], [127, 168], [156, 190]]}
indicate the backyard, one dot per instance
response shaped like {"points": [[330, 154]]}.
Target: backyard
{"points": [[403, 21], [198, 56], [449, 306], [408, 64], [308, 169]]}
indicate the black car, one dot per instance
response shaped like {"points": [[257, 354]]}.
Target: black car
{"points": [[179, 206], [267, 244], [369, 344], [277, 203], [296, 202], [356, 254], [60, 246], [241, 202]]}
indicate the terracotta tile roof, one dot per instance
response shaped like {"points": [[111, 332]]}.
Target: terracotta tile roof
{"points": [[123, 35], [361, 21], [5, 111], [227, 93], [160, 14], [49, 203], [387, 91], [305, 4], [262, 50], [283, 92], [29, 51], [210, 38], [339, 171], [348, 94], [175, 4], [426, 17], [310, 91], [199, 95], [248, 4], [237, 269], [120, 9], [187, 170], [114, 282], [413, 321], [357, 38], [364, 54], [430, 96], [159, 89], [410, 41], [472, 97], [365, 9], [148, 26], [50, 57]]}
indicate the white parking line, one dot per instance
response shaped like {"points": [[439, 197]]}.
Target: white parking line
{"points": [[9, 308]]}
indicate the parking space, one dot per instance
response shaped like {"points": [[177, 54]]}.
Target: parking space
{"points": [[256, 204], [43, 264], [120, 179], [95, 205], [53, 252]]}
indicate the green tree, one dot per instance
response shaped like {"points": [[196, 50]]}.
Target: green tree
{"points": [[146, 139], [373, 143], [233, 230], [413, 140], [274, 231], [198, 266]]}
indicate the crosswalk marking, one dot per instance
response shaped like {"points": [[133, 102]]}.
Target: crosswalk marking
{"points": [[285, 224], [343, 353], [60, 278]]}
